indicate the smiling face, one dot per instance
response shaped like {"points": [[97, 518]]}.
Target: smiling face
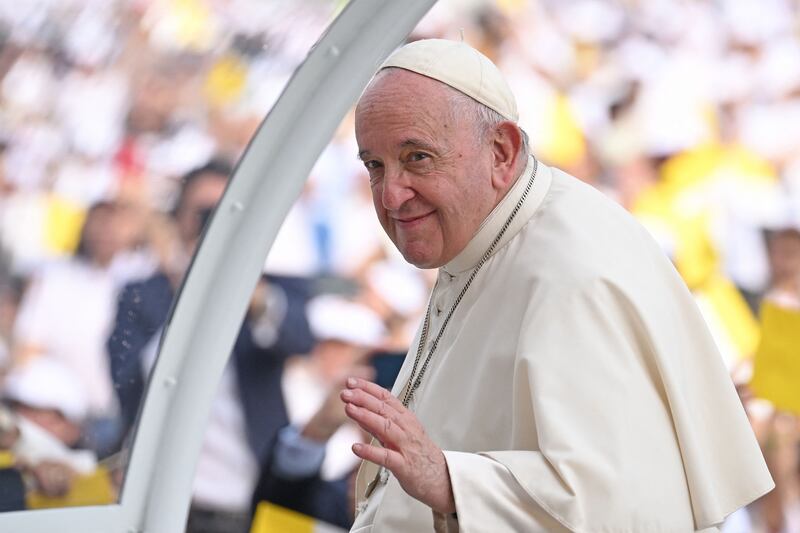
{"points": [[430, 168]]}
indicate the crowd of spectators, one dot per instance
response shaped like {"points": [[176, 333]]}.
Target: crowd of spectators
{"points": [[120, 123]]}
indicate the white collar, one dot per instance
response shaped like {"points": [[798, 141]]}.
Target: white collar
{"points": [[489, 228]]}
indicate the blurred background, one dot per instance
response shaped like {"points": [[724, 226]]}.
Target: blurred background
{"points": [[121, 121]]}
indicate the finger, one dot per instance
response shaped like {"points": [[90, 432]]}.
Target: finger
{"points": [[385, 429], [382, 408], [375, 390], [390, 459]]}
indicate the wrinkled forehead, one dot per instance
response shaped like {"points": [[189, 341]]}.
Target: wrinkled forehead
{"points": [[399, 107], [395, 87]]}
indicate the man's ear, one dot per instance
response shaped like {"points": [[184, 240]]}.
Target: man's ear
{"points": [[506, 145]]}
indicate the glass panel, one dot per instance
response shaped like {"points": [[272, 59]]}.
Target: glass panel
{"points": [[121, 121]]}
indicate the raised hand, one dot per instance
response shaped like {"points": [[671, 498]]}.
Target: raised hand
{"points": [[415, 460]]}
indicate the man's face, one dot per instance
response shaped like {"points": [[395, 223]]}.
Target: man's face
{"points": [[430, 171]]}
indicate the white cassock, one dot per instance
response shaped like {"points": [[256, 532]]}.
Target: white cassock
{"points": [[576, 387]]}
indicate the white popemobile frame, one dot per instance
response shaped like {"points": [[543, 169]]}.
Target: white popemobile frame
{"points": [[206, 317]]}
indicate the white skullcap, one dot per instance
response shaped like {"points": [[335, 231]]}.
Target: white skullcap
{"points": [[335, 318], [45, 383], [461, 67]]}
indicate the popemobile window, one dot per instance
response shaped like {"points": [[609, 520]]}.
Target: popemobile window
{"points": [[121, 125]]}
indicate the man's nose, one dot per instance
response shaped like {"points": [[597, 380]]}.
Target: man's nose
{"points": [[396, 190]]}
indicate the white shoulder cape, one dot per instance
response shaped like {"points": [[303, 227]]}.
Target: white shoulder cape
{"points": [[576, 387]]}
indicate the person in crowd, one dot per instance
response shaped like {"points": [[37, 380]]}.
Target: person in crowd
{"points": [[249, 407], [67, 312], [310, 467], [43, 413], [561, 374], [774, 403]]}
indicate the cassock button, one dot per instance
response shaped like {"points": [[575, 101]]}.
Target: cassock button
{"points": [[438, 310]]}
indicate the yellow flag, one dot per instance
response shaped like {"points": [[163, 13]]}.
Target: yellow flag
{"points": [[776, 374]]}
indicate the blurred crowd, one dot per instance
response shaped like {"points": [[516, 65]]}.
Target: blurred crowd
{"points": [[120, 123]]}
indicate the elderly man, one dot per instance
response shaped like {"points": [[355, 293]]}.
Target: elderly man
{"points": [[562, 379]]}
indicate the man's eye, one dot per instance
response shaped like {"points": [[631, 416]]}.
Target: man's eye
{"points": [[371, 164], [417, 156]]}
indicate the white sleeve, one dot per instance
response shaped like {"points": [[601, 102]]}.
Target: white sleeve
{"points": [[488, 498], [608, 385]]}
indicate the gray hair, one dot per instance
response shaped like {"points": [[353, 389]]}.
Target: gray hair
{"points": [[484, 118]]}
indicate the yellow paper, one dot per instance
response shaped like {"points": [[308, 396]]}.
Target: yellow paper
{"points": [[776, 375], [271, 518]]}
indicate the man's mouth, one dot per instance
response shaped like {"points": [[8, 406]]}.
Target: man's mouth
{"points": [[410, 222]]}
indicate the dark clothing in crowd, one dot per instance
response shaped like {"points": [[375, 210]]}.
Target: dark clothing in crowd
{"points": [[313, 496], [142, 311]]}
